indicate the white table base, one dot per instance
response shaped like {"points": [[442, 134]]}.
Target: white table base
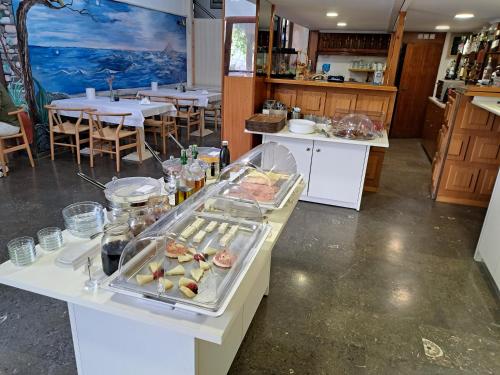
{"points": [[109, 344]]}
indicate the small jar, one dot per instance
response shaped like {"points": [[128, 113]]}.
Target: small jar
{"points": [[140, 219], [116, 236]]}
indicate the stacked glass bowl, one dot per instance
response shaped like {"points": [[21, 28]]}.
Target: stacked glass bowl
{"points": [[83, 219], [22, 251], [50, 239]]}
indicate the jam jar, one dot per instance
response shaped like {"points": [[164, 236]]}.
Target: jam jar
{"points": [[116, 236]]}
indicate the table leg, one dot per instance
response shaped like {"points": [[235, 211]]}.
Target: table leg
{"points": [[204, 132], [145, 153]]}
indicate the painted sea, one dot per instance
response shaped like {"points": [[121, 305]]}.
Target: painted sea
{"points": [[72, 69]]}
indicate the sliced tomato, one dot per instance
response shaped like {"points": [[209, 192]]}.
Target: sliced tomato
{"points": [[224, 259]]}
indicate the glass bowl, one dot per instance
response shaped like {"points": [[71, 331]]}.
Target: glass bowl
{"points": [[22, 251], [84, 219], [50, 239]]}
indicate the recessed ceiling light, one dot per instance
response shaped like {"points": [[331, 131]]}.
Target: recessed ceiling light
{"points": [[442, 27], [332, 14], [341, 24], [464, 16]]}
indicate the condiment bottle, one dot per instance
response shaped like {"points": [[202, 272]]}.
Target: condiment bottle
{"points": [[116, 236], [225, 158]]}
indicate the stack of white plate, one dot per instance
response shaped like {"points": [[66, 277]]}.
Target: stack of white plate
{"points": [[301, 126]]}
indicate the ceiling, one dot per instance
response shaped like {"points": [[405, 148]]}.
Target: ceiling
{"points": [[379, 15]]}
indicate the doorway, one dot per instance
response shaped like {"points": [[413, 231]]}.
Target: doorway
{"points": [[417, 77]]}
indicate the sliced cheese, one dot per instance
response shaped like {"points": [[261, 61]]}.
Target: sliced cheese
{"points": [[154, 266], [197, 274], [198, 223], [192, 250], [210, 251], [188, 231], [185, 281], [187, 292], [211, 226], [223, 228], [185, 258], [166, 283], [179, 270], [199, 236], [204, 265], [225, 239], [144, 279]]}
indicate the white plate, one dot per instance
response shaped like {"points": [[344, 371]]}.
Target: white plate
{"points": [[301, 126]]}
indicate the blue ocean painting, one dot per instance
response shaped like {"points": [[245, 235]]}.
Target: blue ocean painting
{"points": [[72, 50]]}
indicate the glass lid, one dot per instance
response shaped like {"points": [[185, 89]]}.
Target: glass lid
{"points": [[193, 256], [132, 189], [266, 174]]}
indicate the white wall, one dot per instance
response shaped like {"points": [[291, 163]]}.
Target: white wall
{"points": [[445, 59], [340, 65], [180, 8], [208, 52]]}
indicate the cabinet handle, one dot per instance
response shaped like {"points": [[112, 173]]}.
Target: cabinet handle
{"points": [[308, 149], [318, 150]]}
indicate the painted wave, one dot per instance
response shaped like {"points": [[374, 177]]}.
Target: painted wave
{"points": [[71, 70]]}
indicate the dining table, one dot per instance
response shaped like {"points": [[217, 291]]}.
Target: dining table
{"points": [[203, 98], [138, 113]]}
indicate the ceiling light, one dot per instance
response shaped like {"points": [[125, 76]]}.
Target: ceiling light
{"points": [[341, 24], [442, 27], [464, 16], [332, 14]]}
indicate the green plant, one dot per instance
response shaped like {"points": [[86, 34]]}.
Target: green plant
{"points": [[16, 91]]}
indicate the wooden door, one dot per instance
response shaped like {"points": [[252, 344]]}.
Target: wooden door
{"points": [[416, 85], [337, 172]]}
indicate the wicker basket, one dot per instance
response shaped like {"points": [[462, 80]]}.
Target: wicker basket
{"points": [[265, 123]]}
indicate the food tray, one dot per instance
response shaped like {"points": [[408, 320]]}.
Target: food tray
{"points": [[217, 284], [265, 123]]}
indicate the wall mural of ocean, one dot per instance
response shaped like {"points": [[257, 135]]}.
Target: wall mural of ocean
{"points": [[70, 51]]}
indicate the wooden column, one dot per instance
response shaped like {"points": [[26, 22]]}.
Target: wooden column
{"points": [[394, 50], [312, 48]]}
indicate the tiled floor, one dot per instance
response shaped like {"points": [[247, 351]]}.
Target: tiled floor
{"points": [[351, 292]]}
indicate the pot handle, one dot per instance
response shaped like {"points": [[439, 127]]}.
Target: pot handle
{"points": [[91, 180]]}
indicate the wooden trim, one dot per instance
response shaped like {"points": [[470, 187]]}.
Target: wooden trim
{"points": [[462, 201], [312, 48], [344, 85], [271, 41], [393, 57]]}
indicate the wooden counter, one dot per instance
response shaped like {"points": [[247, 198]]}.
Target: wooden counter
{"points": [[331, 98], [343, 85], [433, 121]]}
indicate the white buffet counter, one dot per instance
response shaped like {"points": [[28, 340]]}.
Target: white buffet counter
{"points": [[118, 334], [333, 168]]}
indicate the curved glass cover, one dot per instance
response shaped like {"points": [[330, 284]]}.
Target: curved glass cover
{"points": [[132, 189], [265, 173], [193, 255]]}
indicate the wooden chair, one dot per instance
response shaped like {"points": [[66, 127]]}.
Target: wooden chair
{"points": [[213, 111], [162, 125], [4, 150], [60, 129], [102, 135], [188, 111]]}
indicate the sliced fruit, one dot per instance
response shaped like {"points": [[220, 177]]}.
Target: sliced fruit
{"points": [[158, 273], [197, 274], [144, 279], [211, 251], [192, 250], [185, 258], [193, 286], [198, 257], [179, 270], [154, 266], [187, 292], [167, 284], [185, 281], [204, 265], [175, 249], [224, 259]]}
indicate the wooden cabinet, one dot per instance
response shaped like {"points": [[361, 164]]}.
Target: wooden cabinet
{"points": [[458, 146], [459, 177], [434, 117], [485, 150], [355, 44], [374, 168], [336, 102], [372, 103], [476, 118], [311, 102], [287, 96], [487, 179]]}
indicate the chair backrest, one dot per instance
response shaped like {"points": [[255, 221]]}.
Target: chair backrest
{"points": [[189, 103], [55, 115], [96, 120]]}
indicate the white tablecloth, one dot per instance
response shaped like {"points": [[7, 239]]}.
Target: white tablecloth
{"points": [[103, 104], [203, 97]]}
